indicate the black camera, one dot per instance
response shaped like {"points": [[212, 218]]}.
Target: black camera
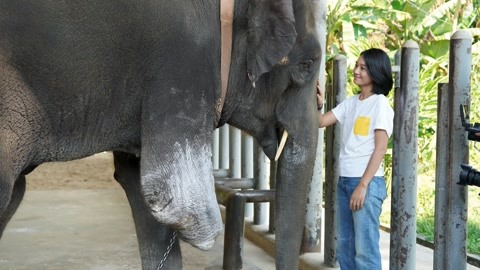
{"points": [[470, 128], [468, 175]]}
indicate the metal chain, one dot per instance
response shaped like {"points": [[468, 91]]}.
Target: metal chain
{"points": [[169, 248]]}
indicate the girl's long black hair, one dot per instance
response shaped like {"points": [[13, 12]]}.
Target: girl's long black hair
{"points": [[379, 69]]}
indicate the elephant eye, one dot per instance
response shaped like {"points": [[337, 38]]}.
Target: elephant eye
{"points": [[306, 65]]}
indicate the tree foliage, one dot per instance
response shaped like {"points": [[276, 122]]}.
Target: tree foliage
{"points": [[355, 25]]}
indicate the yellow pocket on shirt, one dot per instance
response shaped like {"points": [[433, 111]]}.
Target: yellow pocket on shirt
{"points": [[362, 124]]}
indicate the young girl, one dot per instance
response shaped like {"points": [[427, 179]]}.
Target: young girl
{"points": [[367, 121]]}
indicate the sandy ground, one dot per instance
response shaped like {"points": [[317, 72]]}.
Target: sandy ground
{"points": [[75, 216], [71, 185], [94, 172]]}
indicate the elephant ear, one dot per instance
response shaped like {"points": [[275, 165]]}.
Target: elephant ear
{"points": [[271, 35]]}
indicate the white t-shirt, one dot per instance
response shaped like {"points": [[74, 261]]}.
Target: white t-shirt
{"points": [[360, 119]]}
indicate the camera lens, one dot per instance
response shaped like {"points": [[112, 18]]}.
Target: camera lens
{"points": [[469, 176]]}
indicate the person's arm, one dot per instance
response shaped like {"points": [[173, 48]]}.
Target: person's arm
{"points": [[381, 143], [328, 118]]}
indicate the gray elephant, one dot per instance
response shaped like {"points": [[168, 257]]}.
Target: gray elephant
{"points": [[142, 79]]}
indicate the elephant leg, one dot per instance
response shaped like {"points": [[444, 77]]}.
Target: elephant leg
{"points": [[157, 250], [10, 200]]}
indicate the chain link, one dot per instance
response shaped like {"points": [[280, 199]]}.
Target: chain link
{"points": [[169, 248]]}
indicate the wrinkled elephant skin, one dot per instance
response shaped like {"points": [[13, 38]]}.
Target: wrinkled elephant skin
{"points": [[141, 79]]}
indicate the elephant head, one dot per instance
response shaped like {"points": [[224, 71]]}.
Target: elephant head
{"points": [[282, 62]]}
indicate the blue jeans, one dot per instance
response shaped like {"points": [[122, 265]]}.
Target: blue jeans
{"points": [[358, 236]]}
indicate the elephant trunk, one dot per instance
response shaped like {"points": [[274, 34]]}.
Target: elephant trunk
{"points": [[294, 174]]}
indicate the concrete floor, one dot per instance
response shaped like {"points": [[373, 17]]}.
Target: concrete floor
{"points": [[92, 229]]}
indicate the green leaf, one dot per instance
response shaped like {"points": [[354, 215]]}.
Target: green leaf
{"points": [[398, 5], [359, 31], [442, 13], [436, 49]]}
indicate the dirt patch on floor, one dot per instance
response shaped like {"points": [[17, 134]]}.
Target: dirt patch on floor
{"points": [[94, 172]]}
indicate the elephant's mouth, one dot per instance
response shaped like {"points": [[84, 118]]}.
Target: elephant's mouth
{"points": [[274, 148]]}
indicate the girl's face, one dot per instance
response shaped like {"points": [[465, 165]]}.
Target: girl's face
{"points": [[360, 74]]}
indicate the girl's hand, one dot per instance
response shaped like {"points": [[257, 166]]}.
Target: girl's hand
{"points": [[358, 197], [319, 96]]}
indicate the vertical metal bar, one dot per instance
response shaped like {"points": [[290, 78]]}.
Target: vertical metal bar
{"points": [[247, 165], [234, 229], [313, 217], [224, 148], [337, 94], [441, 172], [460, 64], [261, 174], [216, 149], [235, 152], [405, 152], [396, 70]]}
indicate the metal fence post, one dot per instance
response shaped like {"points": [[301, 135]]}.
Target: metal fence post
{"points": [[235, 152], [224, 148], [337, 94], [247, 166], [261, 171], [441, 172], [405, 158], [456, 196], [216, 149]]}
